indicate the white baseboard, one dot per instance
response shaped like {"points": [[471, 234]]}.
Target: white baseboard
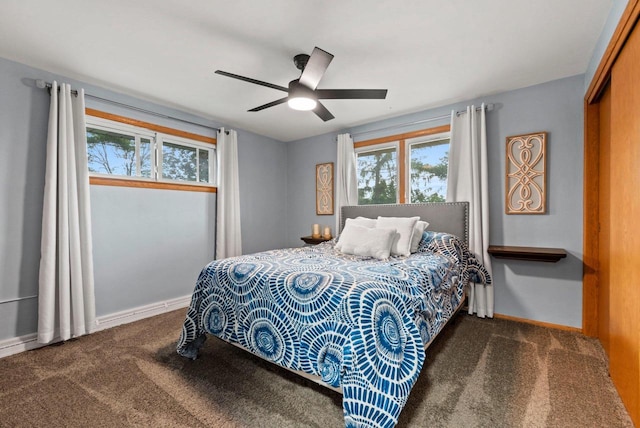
{"points": [[141, 312], [19, 344], [28, 342]]}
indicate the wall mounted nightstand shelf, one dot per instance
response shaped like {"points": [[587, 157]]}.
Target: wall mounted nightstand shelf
{"points": [[534, 254], [314, 241]]}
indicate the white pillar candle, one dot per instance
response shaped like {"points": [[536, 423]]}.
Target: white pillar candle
{"points": [[315, 232], [327, 232]]}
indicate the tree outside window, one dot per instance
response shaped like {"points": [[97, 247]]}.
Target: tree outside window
{"points": [[429, 164], [179, 162], [378, 177], [111, 153]]}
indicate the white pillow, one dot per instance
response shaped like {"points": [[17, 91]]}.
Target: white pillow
{"points": [[366, 222], [359, 221], [404, 227], [366, 241], [418, 230]]}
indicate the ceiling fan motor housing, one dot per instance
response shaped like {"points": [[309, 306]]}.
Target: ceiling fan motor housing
{"points": [[300, 61]]}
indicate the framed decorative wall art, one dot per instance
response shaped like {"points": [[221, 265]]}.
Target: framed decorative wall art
{"points": [[324, 188], [526, 177]]}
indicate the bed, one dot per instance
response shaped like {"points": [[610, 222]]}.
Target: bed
{"points": [[355, 324]]}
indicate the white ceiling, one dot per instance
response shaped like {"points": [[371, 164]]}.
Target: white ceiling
{"points": [[427, 53]]}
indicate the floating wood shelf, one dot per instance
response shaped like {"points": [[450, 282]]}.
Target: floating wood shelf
{"points": [[314, 241], [534, 254]]}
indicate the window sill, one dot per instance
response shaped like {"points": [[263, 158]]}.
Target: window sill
{"points": [[148, 184]]}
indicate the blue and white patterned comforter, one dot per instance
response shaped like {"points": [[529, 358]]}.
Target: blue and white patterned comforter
{"points": [[357, 322]]}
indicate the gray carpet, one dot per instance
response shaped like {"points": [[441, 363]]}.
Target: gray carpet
{"points": [[478, 373]]}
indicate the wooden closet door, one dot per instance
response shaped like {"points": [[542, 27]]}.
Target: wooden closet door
{"points": [[624, 248], [604, 220]]}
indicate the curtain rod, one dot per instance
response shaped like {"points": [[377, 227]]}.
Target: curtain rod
{"points": [[17, 299], [42, 85], [488, 107]]}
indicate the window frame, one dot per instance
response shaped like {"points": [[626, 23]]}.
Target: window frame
{"points": [[114, 123], [401, 141]]}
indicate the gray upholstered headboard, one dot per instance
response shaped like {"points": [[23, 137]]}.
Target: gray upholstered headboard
{"points": [[449, 217]]}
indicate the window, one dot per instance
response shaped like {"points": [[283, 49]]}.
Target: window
{"points": [[122, 150], [183, 161], [378, 175], [411, 167], [118, 152], [428, 160]]}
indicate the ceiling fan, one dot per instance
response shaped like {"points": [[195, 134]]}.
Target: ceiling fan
{"points": [[302, 93]]}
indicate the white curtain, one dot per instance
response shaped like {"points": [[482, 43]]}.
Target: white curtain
{"points": [[346, 179], [468, 181], [66, 290], [228, 234]]}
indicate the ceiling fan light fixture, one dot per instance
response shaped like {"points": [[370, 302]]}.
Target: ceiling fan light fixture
{"points": [[301, 97], [302, 103]]}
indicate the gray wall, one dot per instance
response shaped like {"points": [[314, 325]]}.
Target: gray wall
{"points": [[149, 245], [263, 196], [22, 142], [549, 292], [538, 291], [303, 156]]}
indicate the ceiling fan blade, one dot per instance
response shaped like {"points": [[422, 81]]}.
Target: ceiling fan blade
{"points": [[351, 94], [248, 79], [271, 104], [315, 68], [322, 112]]}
